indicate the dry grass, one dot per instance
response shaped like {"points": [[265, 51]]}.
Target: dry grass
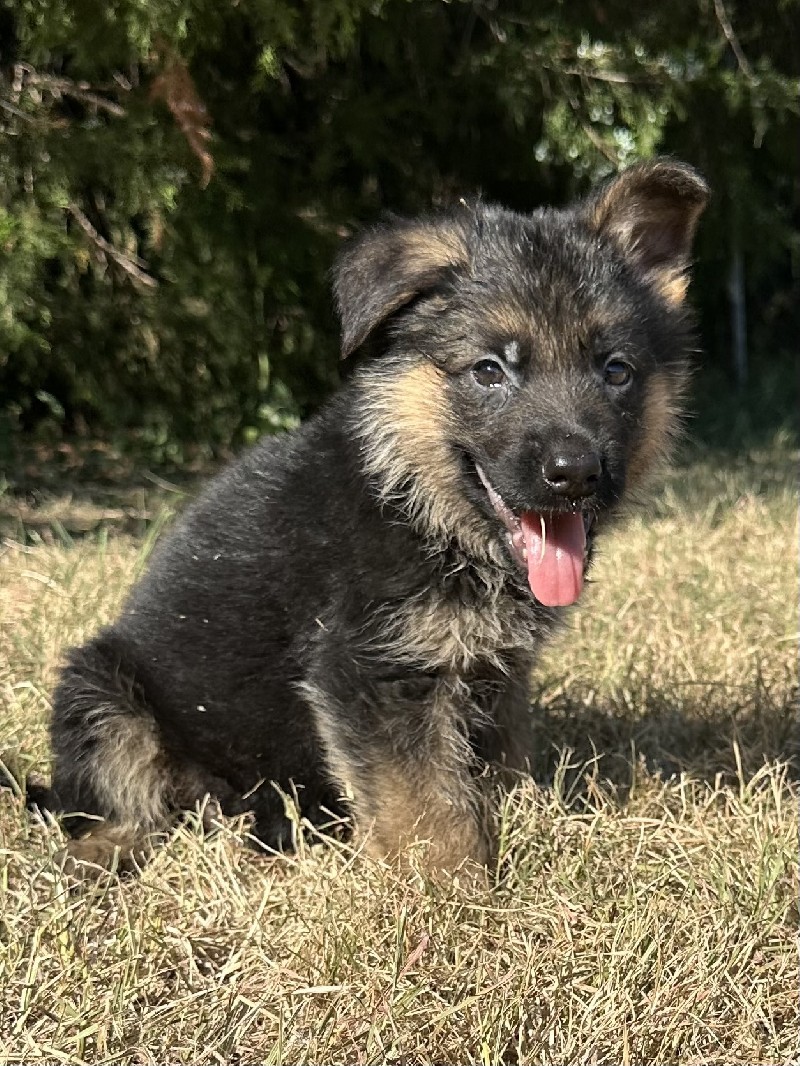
{"points": [[645, 910]]}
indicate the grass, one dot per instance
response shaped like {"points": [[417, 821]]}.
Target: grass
{"points": [[645, 910]]}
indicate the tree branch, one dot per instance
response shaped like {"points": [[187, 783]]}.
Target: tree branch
{"points": [[77, 90], [730, 36], [131, 266], [12, 110], [26, 76], [602, 148]]}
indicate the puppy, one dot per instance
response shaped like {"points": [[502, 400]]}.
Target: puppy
{"points": [[351, 611]]}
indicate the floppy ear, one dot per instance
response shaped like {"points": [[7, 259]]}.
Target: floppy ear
{"points": [[387, 267], [650, 211]]}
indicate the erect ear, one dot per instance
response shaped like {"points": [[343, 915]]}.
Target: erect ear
{"points": [[650, 211], [387, 267]]}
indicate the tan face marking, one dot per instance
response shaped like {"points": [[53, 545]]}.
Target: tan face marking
{"points": [[659, 426], [404, 429]]}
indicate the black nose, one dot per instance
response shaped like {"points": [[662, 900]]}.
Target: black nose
{"points": [[572, 474]]}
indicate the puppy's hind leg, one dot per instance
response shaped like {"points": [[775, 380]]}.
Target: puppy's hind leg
{"points": [[107, 849], [112, 776]]}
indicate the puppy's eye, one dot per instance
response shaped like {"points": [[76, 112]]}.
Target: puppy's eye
{"points": [[617, 373], [489, 374]]}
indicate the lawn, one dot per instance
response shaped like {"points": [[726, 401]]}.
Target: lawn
{"points": [[645, 906]]}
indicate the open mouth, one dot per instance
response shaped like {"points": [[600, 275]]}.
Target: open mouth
{"points": [[550, 545]]}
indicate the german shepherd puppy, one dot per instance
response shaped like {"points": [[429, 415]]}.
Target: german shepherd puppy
{"points": [[351, 611]]}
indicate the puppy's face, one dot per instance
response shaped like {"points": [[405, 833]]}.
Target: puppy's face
{"points": [[534, 364]]}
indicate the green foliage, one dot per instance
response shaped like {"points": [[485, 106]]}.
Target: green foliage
{"points": [[177, 176]]}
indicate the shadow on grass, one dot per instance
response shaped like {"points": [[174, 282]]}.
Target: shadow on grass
{"points": [[55, 490], [666, 739]]}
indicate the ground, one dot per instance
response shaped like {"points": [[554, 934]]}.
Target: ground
{"points": [[645, 906]]}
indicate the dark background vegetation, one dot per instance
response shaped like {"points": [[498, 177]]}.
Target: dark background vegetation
{"points": [[175, 179]]}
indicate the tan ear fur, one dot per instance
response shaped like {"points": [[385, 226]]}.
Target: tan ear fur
{"points": [[388, 267], [650, 211]]}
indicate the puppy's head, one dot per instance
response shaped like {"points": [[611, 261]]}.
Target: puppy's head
{"points": [[524, 370]]}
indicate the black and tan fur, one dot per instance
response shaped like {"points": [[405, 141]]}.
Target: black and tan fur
{"points": [[339, 615]]}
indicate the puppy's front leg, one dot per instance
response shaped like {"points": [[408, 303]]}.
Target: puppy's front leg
{"points": [[407, 769], [420, 803], [506, 740]]}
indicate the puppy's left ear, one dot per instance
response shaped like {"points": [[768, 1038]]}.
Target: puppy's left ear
{"points": [[650, 211], [389, 266]]}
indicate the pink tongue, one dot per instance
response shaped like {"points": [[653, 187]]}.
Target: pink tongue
{"points": [[555, 560]]}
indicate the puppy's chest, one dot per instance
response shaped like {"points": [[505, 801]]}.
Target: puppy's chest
{"points": [[458, 629]]}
